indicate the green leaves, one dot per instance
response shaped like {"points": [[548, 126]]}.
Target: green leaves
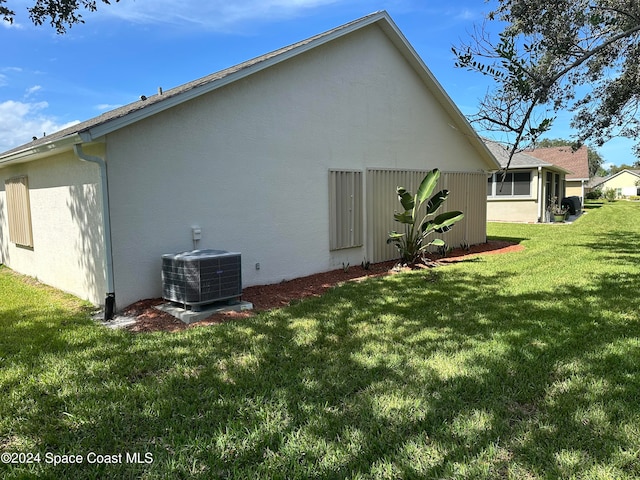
{"points": [[436, 201], [406, 199], [444, 222], [580, 56], [404, 217], [412, 244], [427, 185]]}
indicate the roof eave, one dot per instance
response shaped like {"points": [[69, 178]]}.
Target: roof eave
{"points": [[558, 169], [42, 150]]}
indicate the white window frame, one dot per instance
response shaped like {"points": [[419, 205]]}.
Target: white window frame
{"points": [[496, 181]]}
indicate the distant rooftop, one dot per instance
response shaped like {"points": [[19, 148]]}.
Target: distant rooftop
{"points": [[576, 162], [519, 160]]}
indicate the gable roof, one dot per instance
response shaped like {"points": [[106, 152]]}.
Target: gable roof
{"points": [[93, 130], [519, 160], [576, 162], [606, 179], [595, 181]]}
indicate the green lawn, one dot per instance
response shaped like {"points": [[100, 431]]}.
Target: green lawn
{"points": [[524, 365]]}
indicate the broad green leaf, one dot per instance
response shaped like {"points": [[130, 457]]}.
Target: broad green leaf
{"points": [[443, 229], [426, 226], [436, 201], [404, 217], [406, 199], [444, 221], [438, 242], [427, 185], [395, 237]]}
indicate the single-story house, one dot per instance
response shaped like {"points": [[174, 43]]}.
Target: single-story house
{"points": [[626, 183], [291, 159], [523, 192], [575, 162]]}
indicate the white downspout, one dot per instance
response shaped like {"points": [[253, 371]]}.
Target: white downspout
{"points": [[541, 218], [109, 303]]}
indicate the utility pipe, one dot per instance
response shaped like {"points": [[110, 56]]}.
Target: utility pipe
{"points": [[110, 300]]}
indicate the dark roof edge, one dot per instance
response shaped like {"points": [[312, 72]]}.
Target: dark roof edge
{"points": [[94, 128]]}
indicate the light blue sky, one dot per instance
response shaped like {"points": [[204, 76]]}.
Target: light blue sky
{"points": [[131, 48]]}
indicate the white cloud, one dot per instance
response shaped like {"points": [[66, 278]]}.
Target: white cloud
{"points": [[214, 15], [466, 14], [8, 25], [32, 90], [20, 122]]}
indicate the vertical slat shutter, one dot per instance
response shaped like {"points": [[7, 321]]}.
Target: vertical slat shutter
{"points": [[467, 193], [345, 209], [19, 210]]}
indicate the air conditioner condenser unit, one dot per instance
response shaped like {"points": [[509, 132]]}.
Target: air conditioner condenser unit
{"points": [[200, 277]]}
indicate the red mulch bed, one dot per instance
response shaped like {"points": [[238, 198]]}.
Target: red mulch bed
{"points": [[266, 297]]}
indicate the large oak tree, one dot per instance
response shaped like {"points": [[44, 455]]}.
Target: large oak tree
{"points": [[582, 55], [61, 14]]}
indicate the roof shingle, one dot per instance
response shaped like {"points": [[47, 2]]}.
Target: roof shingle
{"points": [[576, 162]]}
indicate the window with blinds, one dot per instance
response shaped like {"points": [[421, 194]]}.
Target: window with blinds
{"points": [[19, 211], [345, 209]]}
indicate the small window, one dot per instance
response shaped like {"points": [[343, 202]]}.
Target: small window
{"points": [[510, 185], [504, 184], [19, 210], [522, 183], [345, 209]]}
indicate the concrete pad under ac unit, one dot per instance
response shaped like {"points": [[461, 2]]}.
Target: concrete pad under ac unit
{"points": [[190, 316]]}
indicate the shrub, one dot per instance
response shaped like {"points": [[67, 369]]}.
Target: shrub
{"points": [[594, 194], [412, 243], [609, 194]]}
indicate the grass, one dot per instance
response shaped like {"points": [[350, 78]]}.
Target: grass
{"points": [[523, 365]]}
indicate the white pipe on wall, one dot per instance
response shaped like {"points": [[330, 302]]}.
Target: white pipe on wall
{"points": [[109, 306]]}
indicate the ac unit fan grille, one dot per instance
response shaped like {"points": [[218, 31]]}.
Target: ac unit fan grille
{"points": [[201, 277]]}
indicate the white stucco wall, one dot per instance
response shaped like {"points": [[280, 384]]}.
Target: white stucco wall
{"points": [[249, 163], [520, 210], [66, 219]]}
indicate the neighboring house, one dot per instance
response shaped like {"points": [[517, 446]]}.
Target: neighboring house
{"points": [[593, 182], [291, 158], [626, 183], [525, 192], [575, 162]]}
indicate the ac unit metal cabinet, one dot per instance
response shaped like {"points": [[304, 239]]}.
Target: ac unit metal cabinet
{"points": [[200, 277]]}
